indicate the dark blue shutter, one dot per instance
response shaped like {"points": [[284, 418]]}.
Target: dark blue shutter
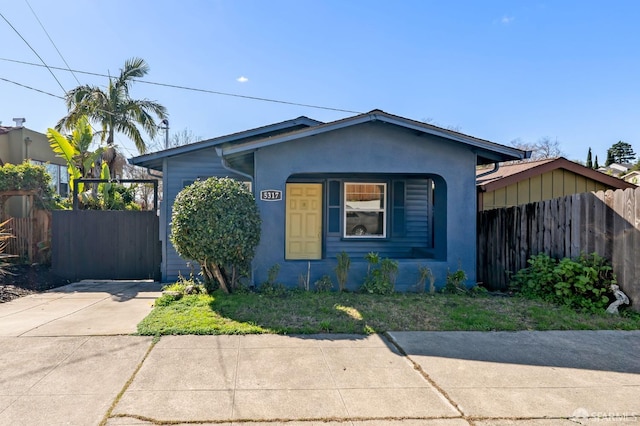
{"points": [[334, 206], [397, 208]]}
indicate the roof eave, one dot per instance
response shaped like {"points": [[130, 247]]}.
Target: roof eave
{"points": [[152, 158]]}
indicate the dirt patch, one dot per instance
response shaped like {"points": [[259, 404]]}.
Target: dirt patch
{"points": [[27, 279]]}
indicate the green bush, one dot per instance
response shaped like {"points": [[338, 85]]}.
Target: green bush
{"points": [[27, 177], [381, 275], [455, 283], [582, 283], [216, 223], [112, 196], [324, 284]]}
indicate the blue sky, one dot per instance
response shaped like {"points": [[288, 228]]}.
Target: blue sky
{"points": [[497, 70]]}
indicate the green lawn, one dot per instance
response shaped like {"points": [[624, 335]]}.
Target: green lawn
{"points": [[306, 313]]}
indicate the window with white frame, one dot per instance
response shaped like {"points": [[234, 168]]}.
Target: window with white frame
{"points": [[59, 177], [365, 209]]}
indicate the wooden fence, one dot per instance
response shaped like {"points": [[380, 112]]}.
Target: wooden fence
{"points": [[607, 223], [96, 244], [31, 236]]}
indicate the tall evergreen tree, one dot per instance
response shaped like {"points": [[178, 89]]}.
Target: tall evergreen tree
{"points": [[589, 162], [595, 164], [610, 159], [622, 152]]}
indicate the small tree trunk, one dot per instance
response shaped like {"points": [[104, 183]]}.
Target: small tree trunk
{"points": [[208, 277], [220, 277], [212, 273], [109, 156], [234, 277]]}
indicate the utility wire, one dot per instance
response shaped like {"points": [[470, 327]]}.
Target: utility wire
{"points": [[48, 67], [193, 89], [34, 51], [120, 144], [45, 64], [30, 88], [255, 98], [51, 40]]}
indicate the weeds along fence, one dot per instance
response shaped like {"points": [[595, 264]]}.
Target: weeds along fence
{"points": [[607, 223]]}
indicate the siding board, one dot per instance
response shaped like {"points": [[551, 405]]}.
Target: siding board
{"points": [[558, 183], [536, 189], [524, 192]]}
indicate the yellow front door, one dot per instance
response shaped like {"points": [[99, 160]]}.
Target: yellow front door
{"points": [[303, 221]]}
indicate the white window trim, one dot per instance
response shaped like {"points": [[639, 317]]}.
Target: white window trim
{"points": [[56, 181], [384, 210]]}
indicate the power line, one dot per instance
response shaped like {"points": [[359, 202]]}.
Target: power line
{"points": [[33, 50], [255, 98], [122, 145], [193, 89], [49, 68], [30, 88], [51, 40]]}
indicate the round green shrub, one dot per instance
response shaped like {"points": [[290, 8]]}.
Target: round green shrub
{"points": [[216, 223]]}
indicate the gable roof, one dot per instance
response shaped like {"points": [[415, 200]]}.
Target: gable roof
{"points": [[512, 173], [488, 152], [154, 160], [632, 177]]}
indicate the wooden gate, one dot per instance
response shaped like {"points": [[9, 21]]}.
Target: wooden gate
{"points": [[94, 244]]}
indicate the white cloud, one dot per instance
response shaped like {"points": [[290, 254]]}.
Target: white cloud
{"points": [[242, 79], [506, 20]]}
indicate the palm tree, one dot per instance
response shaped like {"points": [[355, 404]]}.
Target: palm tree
{"points": [[114, 110]]}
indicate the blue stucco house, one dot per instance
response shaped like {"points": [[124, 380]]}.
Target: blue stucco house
{"points": [[374, 182]]}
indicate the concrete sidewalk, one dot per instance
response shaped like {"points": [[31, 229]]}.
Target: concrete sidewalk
{"points": [[446, 379], [64, 380], [536, 375]]}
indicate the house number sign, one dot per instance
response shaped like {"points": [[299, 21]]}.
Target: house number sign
{"points": [[271, 195]]}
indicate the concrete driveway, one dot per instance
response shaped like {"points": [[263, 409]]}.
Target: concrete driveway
{"points": [[80, 309]]}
